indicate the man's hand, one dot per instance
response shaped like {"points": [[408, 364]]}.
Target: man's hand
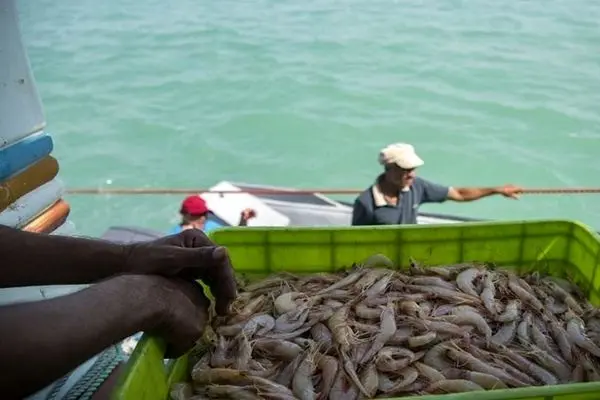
{"points": [[189, 255], [189, 238], [247, 214], [181, 311], [511, 191]]}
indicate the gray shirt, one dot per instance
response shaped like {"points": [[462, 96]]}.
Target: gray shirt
{"points": [[370, 207]]}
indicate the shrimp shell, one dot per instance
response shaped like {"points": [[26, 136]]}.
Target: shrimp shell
{"points": [[465, 279], [453, 386]]}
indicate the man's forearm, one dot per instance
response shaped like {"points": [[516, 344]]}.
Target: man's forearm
{"points": [[38, 259], [67, 331], [470, 194]]}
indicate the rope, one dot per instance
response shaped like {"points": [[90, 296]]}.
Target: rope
{"points": [[180, 191]]}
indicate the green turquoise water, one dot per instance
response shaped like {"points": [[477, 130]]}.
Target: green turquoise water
{"points": [[187, 93]]}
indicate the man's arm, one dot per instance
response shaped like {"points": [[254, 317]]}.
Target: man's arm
{"points": [[470, 194], [38, 259], [360, 215], [44, 340]]}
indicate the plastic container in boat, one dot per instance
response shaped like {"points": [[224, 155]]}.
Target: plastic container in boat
{"points": [[50, 219], [28, 180], [32, 204], [551, 246], [18, 156]]}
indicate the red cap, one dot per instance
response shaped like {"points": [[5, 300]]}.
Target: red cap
{"points": [[194, 205]]}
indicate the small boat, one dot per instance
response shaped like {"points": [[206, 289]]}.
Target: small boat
{"points": [[272, 209]]}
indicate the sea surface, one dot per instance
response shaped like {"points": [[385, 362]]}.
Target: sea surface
{"points": [[187, 93]]}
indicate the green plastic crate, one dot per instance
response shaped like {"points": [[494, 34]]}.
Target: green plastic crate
{"points": [[556, 247]]}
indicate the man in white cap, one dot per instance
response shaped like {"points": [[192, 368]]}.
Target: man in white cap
{"points": [[396, 195]]}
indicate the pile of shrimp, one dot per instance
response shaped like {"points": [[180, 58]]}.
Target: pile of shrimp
{"points": [[376, 331]]}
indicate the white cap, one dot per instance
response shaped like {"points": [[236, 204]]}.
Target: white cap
{"points": [[401, 154]]}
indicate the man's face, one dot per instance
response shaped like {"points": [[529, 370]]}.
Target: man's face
{"points": [[399, 176]]}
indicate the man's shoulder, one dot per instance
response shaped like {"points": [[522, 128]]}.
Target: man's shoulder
{"points": [[366, 196], [420, 182]]}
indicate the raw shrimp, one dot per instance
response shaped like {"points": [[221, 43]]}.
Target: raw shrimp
{"points": [[386, 331], [486, 381], [465, 279], [302, 383], [286, 302], [453, 386]]}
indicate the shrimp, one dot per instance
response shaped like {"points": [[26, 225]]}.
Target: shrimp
{"points": [[380, 286], [322, 335], [575, 332], [287, 374], [181, 391], [391, 359], [400, 337], [524, 292], [518, 374], [540, 339], [410, 308], [422, 340], [248, 310], [470, 318], [465, 279], [329, 368], [278, 348], [369, 279], [437, 326], [351, 372], [320, 313], [505, 334], [223, 376], [564, 296], [488, 293], [590, 370], [342, 333], [370, 380], [302, 384], [219, 357], [535, 370], [558, 367], [511, 312], [362, 311], [378, 260], [386, 331], [347, 281], [290, 321], [432, 281], [428, 372], [288, 335], [274, 280], [286, 302], [453, 386], [436, 356], [523, 329], [408, 376], [480, 366], [450, 295], [486, 381], [231, 391], [264, 321]]}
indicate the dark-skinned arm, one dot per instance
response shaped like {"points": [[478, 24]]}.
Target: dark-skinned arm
{"points": [[39, 259], [44, 340]]}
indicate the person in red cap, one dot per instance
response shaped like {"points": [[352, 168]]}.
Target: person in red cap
{"points": [[194, 215]]}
